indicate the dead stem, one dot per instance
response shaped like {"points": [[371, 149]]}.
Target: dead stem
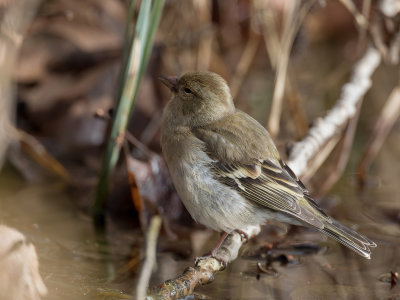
{"points": [[296, 107], [138, 144], [289, 33], [206, 41], [295, 13], [268, 20], [150, 260], [319, 158], [244, 63], [152, 128], [389, 115], [384, 32], [340, 163], [362, 22], [32, 147], [366, 7]]}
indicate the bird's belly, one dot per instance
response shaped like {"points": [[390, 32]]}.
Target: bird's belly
{"points": [[210, 202]]}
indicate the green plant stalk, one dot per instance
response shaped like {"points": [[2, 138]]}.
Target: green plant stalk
{"points": [[126, 50], [155, 18], [139, 55]]}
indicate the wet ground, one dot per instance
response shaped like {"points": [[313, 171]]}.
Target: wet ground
{"points": [[76, 263]]}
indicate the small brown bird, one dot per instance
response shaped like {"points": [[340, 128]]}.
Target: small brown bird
{"points": [[226, 168]]}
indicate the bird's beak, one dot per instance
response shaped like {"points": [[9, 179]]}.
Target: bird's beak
{"points": [[170, 81]]}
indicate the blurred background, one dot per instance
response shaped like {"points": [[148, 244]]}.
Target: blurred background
{"points": [[62, 79]]}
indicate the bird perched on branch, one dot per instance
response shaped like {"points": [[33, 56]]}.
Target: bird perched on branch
{"points": [[226, 168]]}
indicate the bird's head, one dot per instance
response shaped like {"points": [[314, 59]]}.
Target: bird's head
{"points": [[199, 97]]}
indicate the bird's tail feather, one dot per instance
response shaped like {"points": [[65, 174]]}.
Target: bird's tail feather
{"points": [[348, 237]]}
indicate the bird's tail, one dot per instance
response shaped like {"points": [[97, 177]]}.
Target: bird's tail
{"points": [[348, 237]]}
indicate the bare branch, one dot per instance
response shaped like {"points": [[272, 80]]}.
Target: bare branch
{"points": [[333, 123], [204, 270]]}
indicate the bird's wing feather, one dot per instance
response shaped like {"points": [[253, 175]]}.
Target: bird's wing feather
{"points": [[249, 163]]}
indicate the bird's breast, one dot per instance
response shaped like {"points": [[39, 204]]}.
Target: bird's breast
{"points": [[208, 201]]}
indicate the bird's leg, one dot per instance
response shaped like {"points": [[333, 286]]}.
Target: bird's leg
{"points": [[219, 242], [213, 252]]}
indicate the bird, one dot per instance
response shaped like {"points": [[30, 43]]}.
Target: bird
{"points": [[226, 168]]}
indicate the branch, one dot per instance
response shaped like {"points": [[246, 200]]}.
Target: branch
{"points": [[333, 123], [204, 270]]}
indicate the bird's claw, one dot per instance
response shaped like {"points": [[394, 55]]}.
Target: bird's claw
{"points": [[243, 235]]}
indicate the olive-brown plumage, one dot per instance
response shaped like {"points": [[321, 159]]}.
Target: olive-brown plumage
{"points": [[227, 169]]}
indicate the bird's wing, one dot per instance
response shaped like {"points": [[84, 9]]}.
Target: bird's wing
{"points": [[245, 158]]}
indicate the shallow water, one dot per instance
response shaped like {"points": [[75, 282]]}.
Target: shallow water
{"points": [[77, 263]]}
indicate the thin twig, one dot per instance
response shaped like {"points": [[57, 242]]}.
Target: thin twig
{"points": [[294, 16], [138, 144], [206, 41], [384, 31], [366, 7], [319, 158], [151, 128], [345, 109], [102, 115], [244, 63], [150, 260], [289, 32], [389, 115], [344, 150], [268, 20], [296, 106], [30, 145], [360, 19]]}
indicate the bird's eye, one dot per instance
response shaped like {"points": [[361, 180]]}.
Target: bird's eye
{"points": [[187, 90]]}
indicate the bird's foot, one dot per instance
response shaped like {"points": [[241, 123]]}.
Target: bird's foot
{"points": [[214, 252], [243, 235]]}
